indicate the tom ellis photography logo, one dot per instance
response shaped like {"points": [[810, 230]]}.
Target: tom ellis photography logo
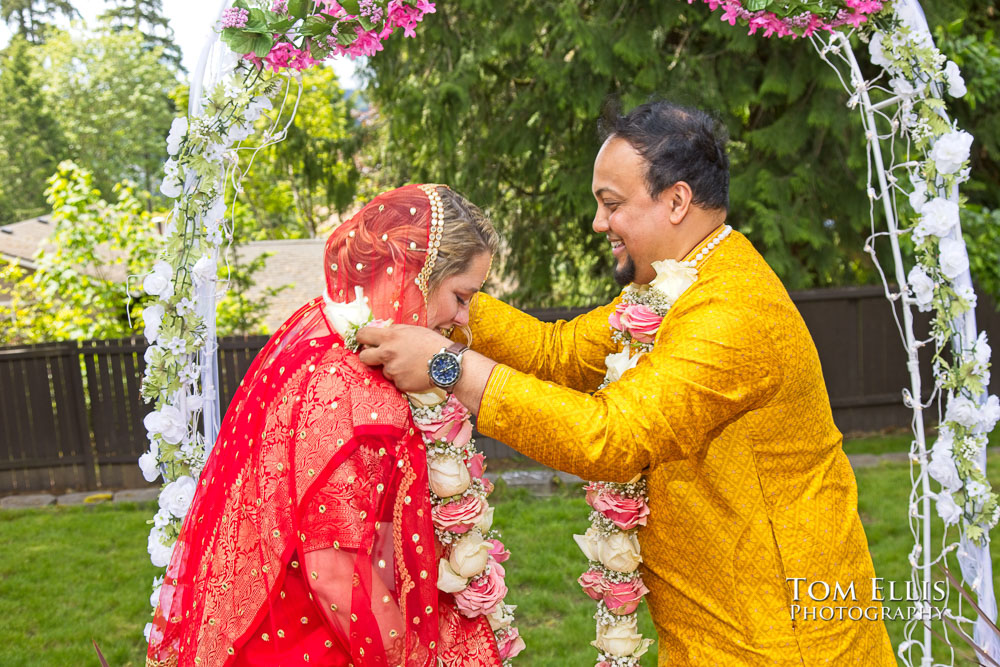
{"points": [[820, 600]]}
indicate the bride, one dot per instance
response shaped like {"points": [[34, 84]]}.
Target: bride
{"points": [[310, 539]]}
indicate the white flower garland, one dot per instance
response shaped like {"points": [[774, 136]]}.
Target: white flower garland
{"points": [[202, 149], [611, 544]]}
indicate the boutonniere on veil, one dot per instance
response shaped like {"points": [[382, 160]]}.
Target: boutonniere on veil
{"points": [[348, 318]]}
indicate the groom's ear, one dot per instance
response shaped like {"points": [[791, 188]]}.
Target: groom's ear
{"points": [[678, 199]]}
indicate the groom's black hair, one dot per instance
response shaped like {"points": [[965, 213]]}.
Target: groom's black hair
{"points": [[679, 143]]}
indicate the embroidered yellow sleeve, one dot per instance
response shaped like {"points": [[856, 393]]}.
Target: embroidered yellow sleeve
{"points": [[707, 367], [569, 353]]}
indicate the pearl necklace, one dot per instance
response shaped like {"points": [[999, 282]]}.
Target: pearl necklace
{"points": [[709, 247]]}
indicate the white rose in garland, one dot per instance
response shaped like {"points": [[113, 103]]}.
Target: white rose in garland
{"points": [[149, 463], [159, 282], [159, 551], [203, 270], [449, 476], [469, 555], [178, 128], [152, 317], [168, 423], [956, 84], [949, 512], [937, 218], [450, 581], [621, 640], [954, 258], [619, 551], [922, 287], [942, 468]]}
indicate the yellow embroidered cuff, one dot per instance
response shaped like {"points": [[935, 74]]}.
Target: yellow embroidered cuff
{"points": [[492, 395]]}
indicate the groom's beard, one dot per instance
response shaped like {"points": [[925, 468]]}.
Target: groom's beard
{"points": [[625, 273]]}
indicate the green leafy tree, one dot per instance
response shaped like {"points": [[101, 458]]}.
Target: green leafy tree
{"points": [[114, 104], [31, 142], [299, 183], [146, 16], [31, 19], [501, 101], [78, 290]]}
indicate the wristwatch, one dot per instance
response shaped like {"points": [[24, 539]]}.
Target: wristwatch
{"points": [[445, 367]]}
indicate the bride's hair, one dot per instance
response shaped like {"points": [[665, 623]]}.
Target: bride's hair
{"points": [[467, 232]]}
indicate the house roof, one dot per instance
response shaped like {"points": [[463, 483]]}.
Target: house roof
{"points": [[298, 263], [20, 240]]}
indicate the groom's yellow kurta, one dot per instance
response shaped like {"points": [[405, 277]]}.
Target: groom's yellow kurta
{"points": [[748, 484]]}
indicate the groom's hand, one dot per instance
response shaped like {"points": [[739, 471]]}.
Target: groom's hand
{"points": [[403, 352]]}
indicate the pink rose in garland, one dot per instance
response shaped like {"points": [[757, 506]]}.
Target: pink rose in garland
{"points": [[453, 425], [641, 322], [510, 644], [477, 466], [625, 512], [459, 516], [624, 598], [484, 594], [615, 318], [498, 551], [592, 582]]}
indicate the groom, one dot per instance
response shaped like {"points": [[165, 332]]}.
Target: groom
{"points": [[754, 553]]}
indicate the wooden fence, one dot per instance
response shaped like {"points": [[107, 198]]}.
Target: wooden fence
{"points": [[71, 413]]}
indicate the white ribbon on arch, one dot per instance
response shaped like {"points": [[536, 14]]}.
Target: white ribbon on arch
{"points": [[205, 77]]}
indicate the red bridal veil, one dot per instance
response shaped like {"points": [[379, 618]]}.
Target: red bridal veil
{"points": [[310, 540]]}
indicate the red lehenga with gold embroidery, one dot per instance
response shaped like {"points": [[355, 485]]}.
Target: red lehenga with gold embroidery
{"points": [[310, 538]]}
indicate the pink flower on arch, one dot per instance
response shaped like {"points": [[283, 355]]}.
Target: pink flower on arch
{"points": [[286, 55], [367, 43], [856, 18]]}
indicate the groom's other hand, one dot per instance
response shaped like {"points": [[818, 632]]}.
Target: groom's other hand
{"points": [[403, 352]]}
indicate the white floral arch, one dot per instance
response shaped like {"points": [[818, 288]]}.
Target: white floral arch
{"points": [[908, 132]]}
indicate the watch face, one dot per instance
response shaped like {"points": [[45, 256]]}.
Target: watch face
{"points": [[445, 369]]}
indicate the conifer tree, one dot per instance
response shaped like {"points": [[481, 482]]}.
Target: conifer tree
{"points": [[145, 16], [31, 142], [31, 18]]}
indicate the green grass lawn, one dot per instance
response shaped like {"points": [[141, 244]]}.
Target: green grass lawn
{"points": [[897, 440], [68, 575]]}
